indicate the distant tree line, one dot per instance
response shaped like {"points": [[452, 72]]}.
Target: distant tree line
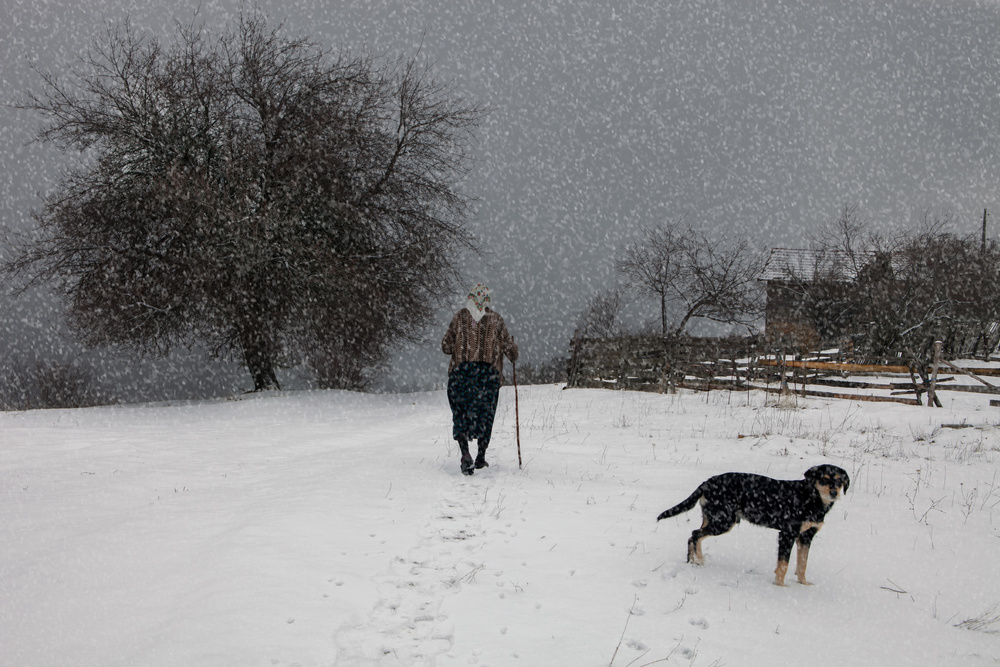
{"points": [[49, 384], [548, 372], [889, 293]]}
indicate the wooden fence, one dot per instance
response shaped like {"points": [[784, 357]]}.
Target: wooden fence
{"points": [[660, 364]]}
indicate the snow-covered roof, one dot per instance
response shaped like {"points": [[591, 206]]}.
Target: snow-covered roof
{"points": [[809, 265]]}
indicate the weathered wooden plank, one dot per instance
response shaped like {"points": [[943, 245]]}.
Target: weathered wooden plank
{"points": [[969, 371], [864, 368], [850, 397], [970, 388], [850, 384], [834, 366]]}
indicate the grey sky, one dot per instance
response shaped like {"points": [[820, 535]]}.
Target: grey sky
{"points": [[754, 115]]}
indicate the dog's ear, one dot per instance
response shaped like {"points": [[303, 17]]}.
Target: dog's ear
{"points": [[847, 480], [813, 473]]}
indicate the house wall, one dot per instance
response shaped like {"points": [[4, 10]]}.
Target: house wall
{"points": [[790, 318], [784, 320]]}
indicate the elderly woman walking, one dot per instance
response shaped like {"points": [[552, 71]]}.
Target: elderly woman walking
{"points": [[477, 341]]}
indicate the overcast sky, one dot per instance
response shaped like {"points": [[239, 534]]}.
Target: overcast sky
{"points": [[764, 116]]}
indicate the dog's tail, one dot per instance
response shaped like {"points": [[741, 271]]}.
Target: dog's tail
{"points": [[685, 506]]}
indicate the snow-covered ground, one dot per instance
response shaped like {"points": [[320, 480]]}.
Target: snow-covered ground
{"points": [[334, 528]]}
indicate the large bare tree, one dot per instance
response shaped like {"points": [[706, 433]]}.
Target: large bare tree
{"points": [[693, 276], [253, 193]]}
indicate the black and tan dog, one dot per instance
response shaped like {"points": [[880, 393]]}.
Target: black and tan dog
{"points": [[794, 508]]}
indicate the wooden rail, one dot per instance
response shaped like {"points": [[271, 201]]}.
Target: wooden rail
{"points": [[865, 368], [834, 366]]}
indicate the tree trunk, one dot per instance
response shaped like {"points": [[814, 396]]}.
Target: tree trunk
{"points": [[663, 313], [258, 355]]}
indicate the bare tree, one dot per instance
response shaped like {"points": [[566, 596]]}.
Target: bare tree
{"points": [[851, 240], [945, 285], [255, 194], [602, 318], [917, 286], [694, 277], [654, 265], [723, 282]]}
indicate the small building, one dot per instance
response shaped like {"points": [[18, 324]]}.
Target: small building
{"points": [[807, 305]]}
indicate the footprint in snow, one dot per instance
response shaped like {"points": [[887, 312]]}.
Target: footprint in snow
{"points": [[636, 644], [406, 622]]}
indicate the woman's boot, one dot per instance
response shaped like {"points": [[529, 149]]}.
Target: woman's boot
{"points": [[468, 467], [481, 456]]}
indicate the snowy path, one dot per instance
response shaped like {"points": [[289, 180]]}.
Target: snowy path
{"points": [[406, 625]]}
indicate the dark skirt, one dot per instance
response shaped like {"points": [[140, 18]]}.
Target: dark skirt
{"points": [[473, 391]]}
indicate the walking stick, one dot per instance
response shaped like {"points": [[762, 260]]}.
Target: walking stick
{"points": [[517, 419]]}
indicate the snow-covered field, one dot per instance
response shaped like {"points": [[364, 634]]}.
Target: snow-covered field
{"points": [[333, 528]]}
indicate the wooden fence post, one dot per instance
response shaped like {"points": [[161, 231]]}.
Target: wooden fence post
{"points": [[932, 398], [665, 366], [918, 387], [623, 365], [574, 351], [783, 384]]}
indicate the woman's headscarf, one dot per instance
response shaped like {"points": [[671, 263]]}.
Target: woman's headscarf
{"points": [[479, 299]]}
